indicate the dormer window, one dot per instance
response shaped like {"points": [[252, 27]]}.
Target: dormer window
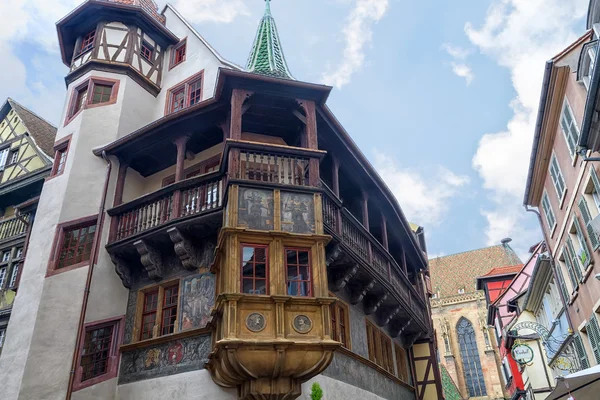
{"points": [[147, 51], [87, 43]]}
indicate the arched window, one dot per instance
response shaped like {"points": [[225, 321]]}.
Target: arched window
{"points": [[470, 358]]}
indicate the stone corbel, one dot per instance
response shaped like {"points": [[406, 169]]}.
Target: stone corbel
{"points": [[341, 278], [151, 259], [122, 269], [386, 317], [187, 252], [374, 303], [359, 292]]}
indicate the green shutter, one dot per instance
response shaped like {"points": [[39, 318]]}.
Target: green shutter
{"points": [[562, 285], [575, 263], [586, 259], [593, 331], [595, 179], [580, 350], [587, 218], [570, 269]]}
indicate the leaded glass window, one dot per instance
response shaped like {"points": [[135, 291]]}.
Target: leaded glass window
{"points": [[470, 358]]}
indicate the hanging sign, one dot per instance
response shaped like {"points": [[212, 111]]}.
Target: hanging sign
{"points": [[522, 353]]}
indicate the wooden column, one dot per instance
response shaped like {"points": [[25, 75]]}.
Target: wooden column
{"points": [[180, 144], [403, 261], [335, 179], [384, 235], [365, 210], [238, 97], [120, 184], [311, 125]]}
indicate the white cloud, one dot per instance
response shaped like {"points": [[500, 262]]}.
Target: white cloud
{"points": [[221, 11], [459, 64], [357, 34], [422, 202], [519, 35]]}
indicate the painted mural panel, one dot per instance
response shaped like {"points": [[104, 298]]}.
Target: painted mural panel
{"points": [[256, 208], [197, 300], [297, 212], [163, 359]]}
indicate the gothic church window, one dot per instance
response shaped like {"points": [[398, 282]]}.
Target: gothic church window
{"points": [[470, 358]]}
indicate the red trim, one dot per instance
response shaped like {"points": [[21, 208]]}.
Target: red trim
{"points": [[266, 279], [191, 172], [113, 363], [60, 147], [185, 85], [182, 43], [90, 83], [58, 243]]}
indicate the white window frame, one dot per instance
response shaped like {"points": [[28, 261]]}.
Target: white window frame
{"points": [[14, 275], [6, 256], [566, 108], [2, 336], [559, 174], [4, 157], [548, 212], [2, 276], [19, 253]]}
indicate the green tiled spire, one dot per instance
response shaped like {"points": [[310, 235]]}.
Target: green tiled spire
{"points": [[266, 57]]}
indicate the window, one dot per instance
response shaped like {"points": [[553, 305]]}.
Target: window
{"points": [[73, 245], [80, 99], [3, 157], [299, 276], [593, 331], [185, 94], [470, 357], [99, 352], [101, 93], [587, 219], [178, 54], [557, 177], [87, 43], [570, 261], [19, 253], [506, 372], [147, 51], [2, 334], [340, 331], [2, 276], [380, 348], [6, 256], [14, 276], [13, 157], [159, 311], [580, 352], [255, 269], [94, 92], [578, 246], [401, 363], [569, 127], [61, 149], [547, 208]]}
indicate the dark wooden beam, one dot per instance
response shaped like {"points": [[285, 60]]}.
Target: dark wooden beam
{"points": [[180, 144], [384, 233], [386, 316], [358, 292], [365, 210], [374, 302], [341, 278], [238, 97], [120, 184], [335, 179]]}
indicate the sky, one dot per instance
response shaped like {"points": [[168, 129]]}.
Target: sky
{"points": [[440, 95]]}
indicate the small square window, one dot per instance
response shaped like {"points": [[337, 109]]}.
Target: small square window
{"points": [[13, 157], [178, 54], [101, 93], [87, 43], [255, 269], [19, 253], [147, 51], [5, 256]]}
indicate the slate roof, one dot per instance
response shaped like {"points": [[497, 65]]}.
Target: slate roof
{"points": [[42, 131], [266, 56], [451, 273]]}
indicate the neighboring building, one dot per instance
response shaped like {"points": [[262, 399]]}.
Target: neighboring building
{"points": [[26, 154], [459, 310], [211, 232], [564, 185]]}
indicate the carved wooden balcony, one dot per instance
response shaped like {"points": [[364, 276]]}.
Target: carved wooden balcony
{"points": [[358, 261]]}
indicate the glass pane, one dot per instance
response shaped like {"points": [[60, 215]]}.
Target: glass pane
{"points": [[261, 271]]}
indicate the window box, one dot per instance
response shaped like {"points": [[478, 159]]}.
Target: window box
{"points": [[73, 244]]}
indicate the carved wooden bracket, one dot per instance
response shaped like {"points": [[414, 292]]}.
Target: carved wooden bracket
{"points": [[386, 317], [359, 293], [374, 304], [334, 253], [151, 259], [397, 330], [122, 269], [341, 278], [185, 249]]}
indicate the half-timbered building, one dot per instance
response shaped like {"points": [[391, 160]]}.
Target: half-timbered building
{"points": [[26, 150], [213, 232]]}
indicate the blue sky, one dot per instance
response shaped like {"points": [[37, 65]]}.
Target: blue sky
{"points": [[440, 95]]}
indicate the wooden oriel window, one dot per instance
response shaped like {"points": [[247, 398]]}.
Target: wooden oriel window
{"points": [[61, 149], [298, 272], [73, 245], [178, 53], [401, 363], [147, 51], [87, 43], [255, 269], [99, 352], [340, 329], [158, 310], [380, 348], [185, 94]]}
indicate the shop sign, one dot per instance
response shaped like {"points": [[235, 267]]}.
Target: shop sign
{"points": [[522, 353]]}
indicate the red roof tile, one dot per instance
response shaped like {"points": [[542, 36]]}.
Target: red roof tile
{"points": [[511, 269]]}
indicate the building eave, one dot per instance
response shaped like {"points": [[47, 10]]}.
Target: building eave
{"points": [[587, 138]]}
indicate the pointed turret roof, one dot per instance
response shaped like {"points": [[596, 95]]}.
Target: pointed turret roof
{"points": [[266, 57]]}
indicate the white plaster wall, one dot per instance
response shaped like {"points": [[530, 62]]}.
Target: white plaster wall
{"points": [[195, 385], [104, 390], [336, 390]]}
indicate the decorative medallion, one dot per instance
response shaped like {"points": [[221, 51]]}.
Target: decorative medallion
{"points": [[152, 358], [302, 324], [175, 353], [256, 322]]}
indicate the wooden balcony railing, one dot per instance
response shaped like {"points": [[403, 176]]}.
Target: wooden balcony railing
{"points": [[356, 239], [13, 227], [190, 197], [262, 162]]}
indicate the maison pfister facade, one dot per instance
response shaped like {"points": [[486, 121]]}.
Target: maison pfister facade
{"points": [[564, 185], [26, 154], [213, 233]]}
